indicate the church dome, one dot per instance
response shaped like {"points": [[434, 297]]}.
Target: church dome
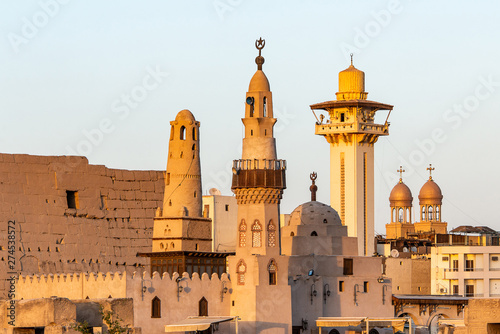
{"points": [[401, 195], [430, 193], [259, 82], [184, 115], [314, 213]]}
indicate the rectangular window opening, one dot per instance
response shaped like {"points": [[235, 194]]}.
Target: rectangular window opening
{"points": [[72, 199], [348, 266], [366, 286], [227, 207], [341, 286]]}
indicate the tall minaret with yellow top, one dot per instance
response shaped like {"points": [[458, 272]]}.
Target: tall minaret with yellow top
{"points": [[352, 133]]}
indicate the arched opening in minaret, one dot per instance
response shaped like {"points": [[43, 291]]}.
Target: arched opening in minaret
{"points": [[256, 234], [194, 194], [194, 133], [194, 147], [251, 110], [251, 132], [401, 215], [438, 217], [183, 133], [292, 234], [430, 212], [393, 215], [314, 234], [271, 234], [264, 107], [242, 234], [272, 268], [423, 213], [182, 154], [408, 215], [172, 132]]}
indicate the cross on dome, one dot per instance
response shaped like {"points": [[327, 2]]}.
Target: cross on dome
{"points": [[400, 171], [430, 169]]}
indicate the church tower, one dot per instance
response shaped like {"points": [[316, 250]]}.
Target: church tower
{"points": [[262, 296], [401, 202], [430, 200], [180, 225], [352, 133]]}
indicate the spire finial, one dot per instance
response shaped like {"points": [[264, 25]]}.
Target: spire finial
{"points": [[401, 171], [430, 169], [259, 44], [313, 188], [351, 58]]}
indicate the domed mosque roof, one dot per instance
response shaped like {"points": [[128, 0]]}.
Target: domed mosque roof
{"points": [[314, 212], [259, 80], [430, 192], [184, 115], [401, 194]]}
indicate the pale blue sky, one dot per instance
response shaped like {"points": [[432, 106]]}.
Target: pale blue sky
{"points": [[69, 72]]}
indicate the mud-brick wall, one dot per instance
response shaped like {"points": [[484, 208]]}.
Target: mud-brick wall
{"points": [[113, 220]]}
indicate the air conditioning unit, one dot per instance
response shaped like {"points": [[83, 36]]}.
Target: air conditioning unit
{"points": [[494, 258], [443, 290], [444, 258]]}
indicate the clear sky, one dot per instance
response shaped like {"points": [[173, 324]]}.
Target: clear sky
{"points": [[104, 79]]}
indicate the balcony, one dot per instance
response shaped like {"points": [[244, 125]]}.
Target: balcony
{"points": [[259, 174]]}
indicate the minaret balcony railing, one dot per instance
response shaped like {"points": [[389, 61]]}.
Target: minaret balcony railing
{"points": [[253, 173], [355, 127], [246, 164]]}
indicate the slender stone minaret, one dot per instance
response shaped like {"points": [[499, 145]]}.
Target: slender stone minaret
{"points": [[352, 133], [180, 225], [262, 296]]}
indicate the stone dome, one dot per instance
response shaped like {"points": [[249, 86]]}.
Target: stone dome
{"points": [[259, 82], [430, 193], [314, 213], [184, 115], [401, 195]]}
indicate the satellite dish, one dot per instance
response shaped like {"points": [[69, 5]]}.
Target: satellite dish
{"points": [[413, 249], [394, 253], [405, 249], [214, 192]]}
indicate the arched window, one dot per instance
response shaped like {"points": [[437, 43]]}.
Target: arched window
{"points": [[408, 215], [272, 268], [265, 107], [203, 307], [393, 215], [243, 232], [251, 110], [161, 245], [256, 234], [429, 212], [422, 218], [325, 221], [292, 234], [334, 331], [401, 214], [241, 269], [156, 308], [183, 133], [438, 217], [171, 132], [194, 133], [271, 234], [314, 234], [194, 194], [194, 147]]}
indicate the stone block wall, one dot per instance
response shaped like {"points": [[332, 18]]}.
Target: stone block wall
{"points": [[112, 222]]}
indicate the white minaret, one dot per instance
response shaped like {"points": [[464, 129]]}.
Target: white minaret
{"points": [[259, 273], [352, 133]]}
